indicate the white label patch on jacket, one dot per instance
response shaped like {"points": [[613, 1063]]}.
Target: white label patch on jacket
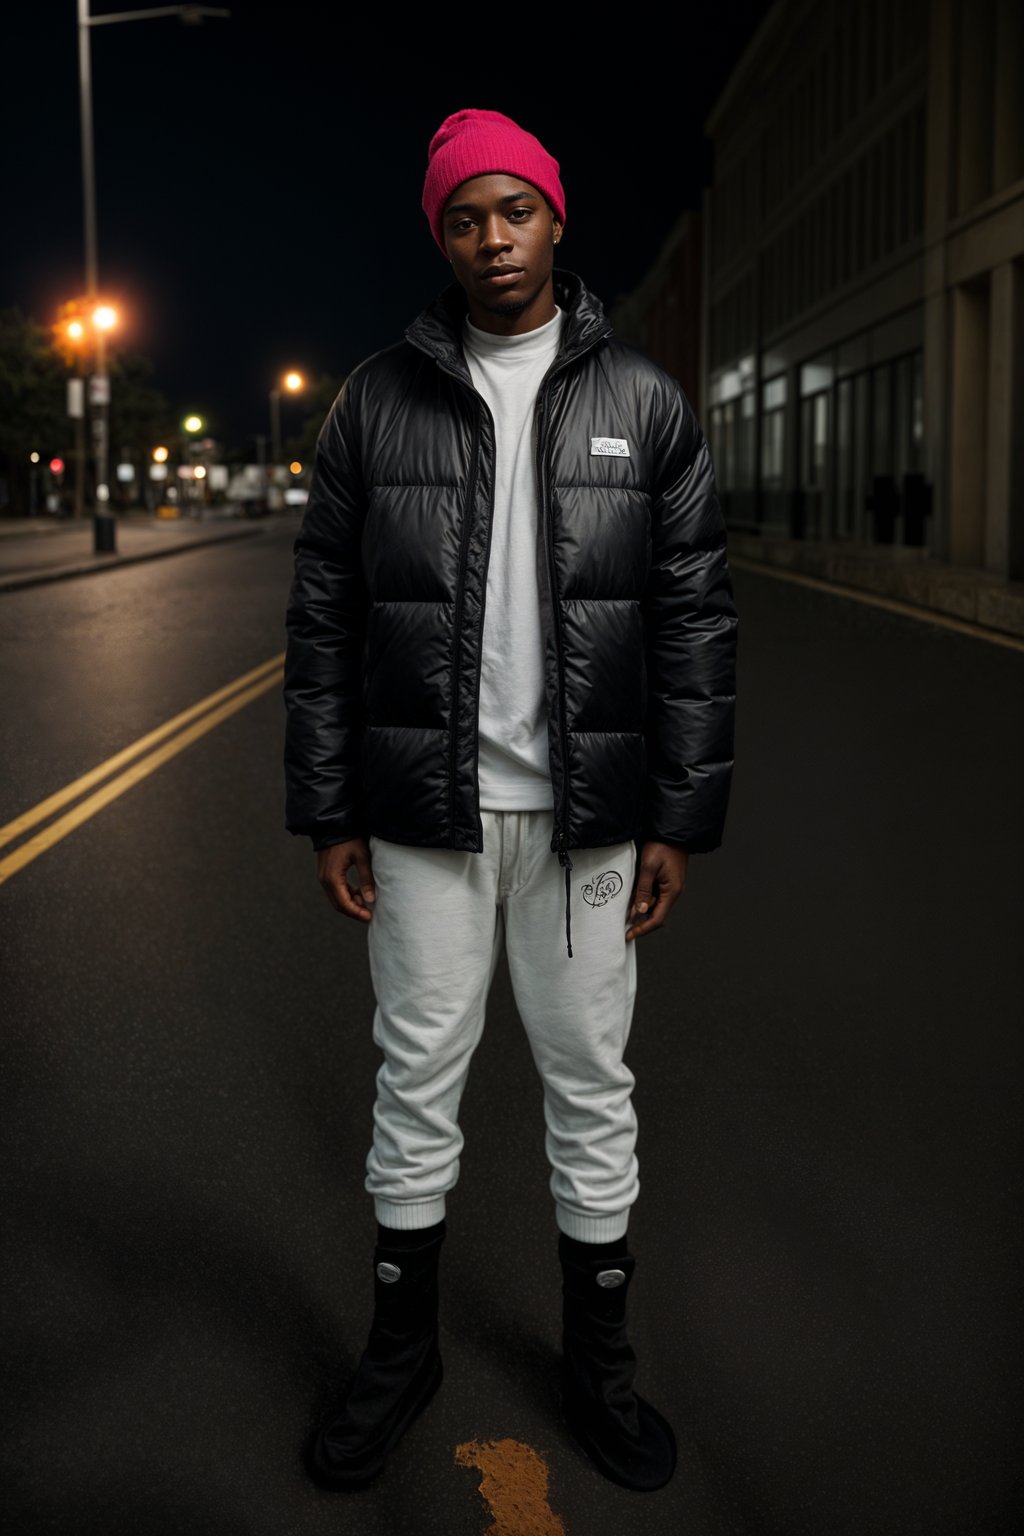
{"points": [[611, 447]]}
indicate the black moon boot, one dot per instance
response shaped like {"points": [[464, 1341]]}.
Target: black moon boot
{"points": [[624, 1435], [400, 1368]]}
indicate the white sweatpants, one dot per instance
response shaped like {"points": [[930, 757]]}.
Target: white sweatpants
{"points": [[439, 923]]}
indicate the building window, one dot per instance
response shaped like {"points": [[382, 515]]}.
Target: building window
{"points": [[814, 436], [773, 435], [723, 439], [845, 478], [745, 425], [815, 428], [881, 420], [917, 417], [861, 449], [907, 387]]}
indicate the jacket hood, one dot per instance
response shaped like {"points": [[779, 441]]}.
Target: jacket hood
{"points": [[437, 330]]}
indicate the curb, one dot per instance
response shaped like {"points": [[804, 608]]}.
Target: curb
{"points": [[63, 572], [943, 592]]}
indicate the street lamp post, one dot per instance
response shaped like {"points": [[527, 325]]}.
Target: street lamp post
{"points": [[103, 320], [192, 426], [103, 523], [292, 382], [275, 426]]}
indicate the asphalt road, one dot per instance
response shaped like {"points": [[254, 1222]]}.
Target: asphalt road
{"points": [[827, 1050]]}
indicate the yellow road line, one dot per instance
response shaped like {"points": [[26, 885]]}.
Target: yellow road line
{"points": [[139, 770], [876, 600], [38, 813]]}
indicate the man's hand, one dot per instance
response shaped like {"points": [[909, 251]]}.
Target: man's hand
{"points": [[332, 867], [660, 881]]}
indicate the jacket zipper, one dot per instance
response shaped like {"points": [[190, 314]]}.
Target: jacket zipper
{"points": [[457, 620], [557, 367], [563, 832], [542, 399]]}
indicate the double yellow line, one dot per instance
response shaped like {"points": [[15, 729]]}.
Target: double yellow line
{"points": [[183, 729]]}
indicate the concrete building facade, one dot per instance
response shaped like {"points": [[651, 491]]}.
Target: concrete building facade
{"points": [[863, 279]]}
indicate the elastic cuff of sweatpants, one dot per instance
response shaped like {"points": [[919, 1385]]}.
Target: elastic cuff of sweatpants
{"points": [[409, 1215], [591, 1229]]}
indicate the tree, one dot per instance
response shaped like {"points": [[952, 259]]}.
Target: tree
{"points": [[140, 418], [33, 406], [35, 364]]}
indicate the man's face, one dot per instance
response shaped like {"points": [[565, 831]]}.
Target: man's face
{"points": [[501, 234]]}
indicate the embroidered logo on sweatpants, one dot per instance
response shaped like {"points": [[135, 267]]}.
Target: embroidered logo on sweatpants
{"points": [[601, 888]]}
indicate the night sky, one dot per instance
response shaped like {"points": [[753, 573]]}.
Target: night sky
{"points": [[259, 177]]}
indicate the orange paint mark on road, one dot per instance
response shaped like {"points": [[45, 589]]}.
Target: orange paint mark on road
{"points": [[514, 1487]]}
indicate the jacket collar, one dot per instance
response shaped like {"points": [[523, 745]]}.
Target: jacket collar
{"points": [[437, 330]]}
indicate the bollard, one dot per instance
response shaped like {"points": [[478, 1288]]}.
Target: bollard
{"points": [[103, 534]]}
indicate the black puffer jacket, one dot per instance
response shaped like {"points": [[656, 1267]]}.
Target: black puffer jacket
{"points": [[385, 614]]}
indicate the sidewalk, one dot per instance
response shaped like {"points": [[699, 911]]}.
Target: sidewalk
{"points": [[906, 575], [41, 549]]}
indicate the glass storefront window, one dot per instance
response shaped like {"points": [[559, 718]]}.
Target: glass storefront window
{"points": [[773, 393], [772, 441], [904, 404], [844, 459], [745, 426], [861, 450], [723, 444], [881, 437], [917, 413], [773, 432], [814, 439]]}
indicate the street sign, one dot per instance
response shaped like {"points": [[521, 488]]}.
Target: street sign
{"points": [[99, 389], [76, 397]]}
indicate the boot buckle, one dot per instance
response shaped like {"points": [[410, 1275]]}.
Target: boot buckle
{"points": [[610, 1277]]}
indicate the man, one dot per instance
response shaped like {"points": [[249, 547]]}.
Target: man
{"points": [[511, 656]]}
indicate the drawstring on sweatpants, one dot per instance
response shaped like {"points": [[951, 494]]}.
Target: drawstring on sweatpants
{"points": [[566, 862]]}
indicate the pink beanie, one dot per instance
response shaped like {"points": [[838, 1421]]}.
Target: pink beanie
{"points": [[475, 143]]}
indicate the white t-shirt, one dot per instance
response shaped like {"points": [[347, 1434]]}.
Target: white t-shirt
{"points": [[513, 722], [515, 773]]}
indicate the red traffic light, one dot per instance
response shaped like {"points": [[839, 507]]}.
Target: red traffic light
{"points": [[56, 466]]}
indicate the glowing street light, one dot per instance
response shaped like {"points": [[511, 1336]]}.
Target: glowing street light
{"points": [[104, 541], [192, 425], [160, 455]]}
